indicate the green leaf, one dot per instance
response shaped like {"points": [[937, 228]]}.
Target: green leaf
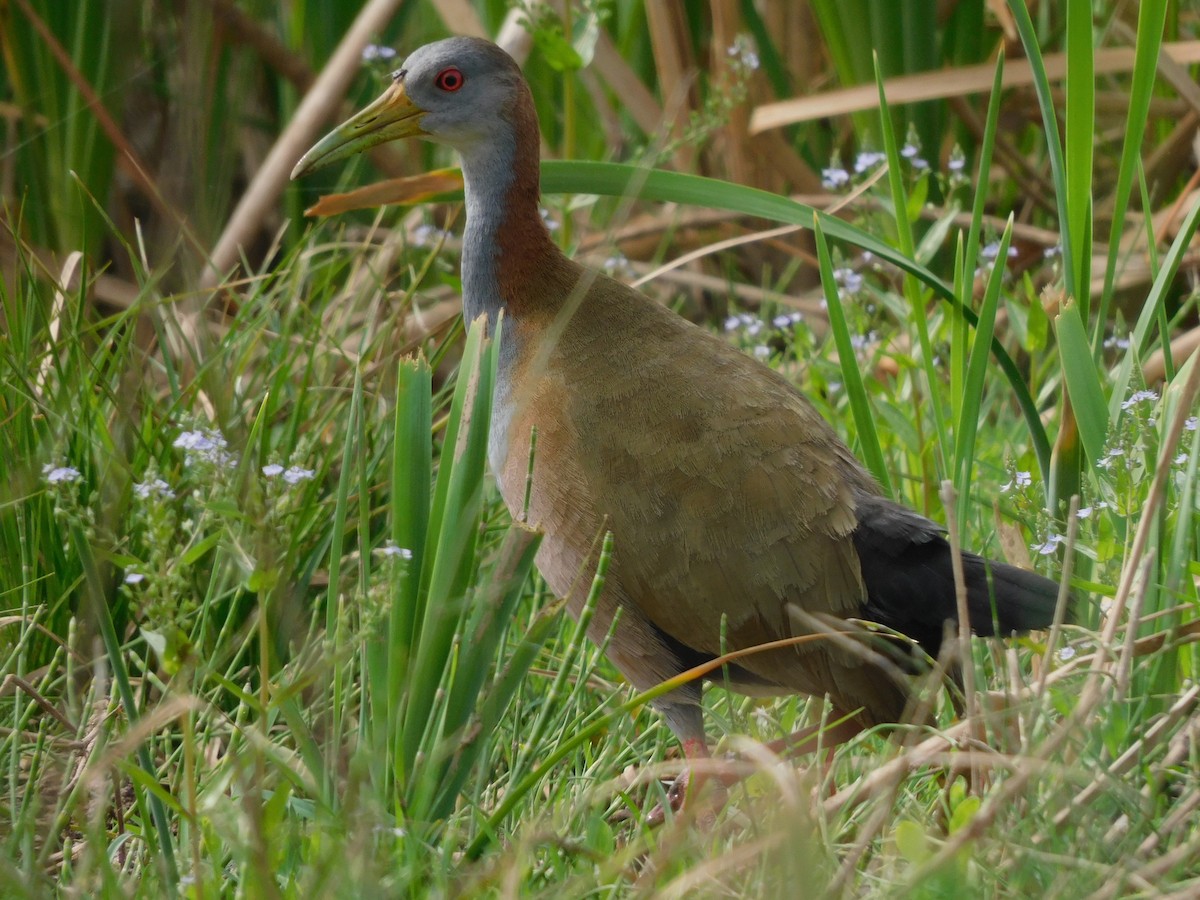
{"points": [[1083, 380], [964, 812], [912, 841], [851, 375]]}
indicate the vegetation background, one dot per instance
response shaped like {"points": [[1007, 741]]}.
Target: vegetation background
{"points": [[261, 637]]}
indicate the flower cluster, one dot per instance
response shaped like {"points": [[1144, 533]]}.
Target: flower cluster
{"points": [[205, 446], [60, 474], [744, 53]]}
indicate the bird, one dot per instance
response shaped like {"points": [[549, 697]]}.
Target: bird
{"points": [[738, 516]]}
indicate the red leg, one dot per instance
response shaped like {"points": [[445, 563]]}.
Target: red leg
{"points": [[703, 772]]}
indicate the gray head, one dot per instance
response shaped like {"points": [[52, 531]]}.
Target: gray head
{"points": [[463, 92]]}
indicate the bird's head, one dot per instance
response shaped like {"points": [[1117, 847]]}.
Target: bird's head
{"points": [[458, 92]]}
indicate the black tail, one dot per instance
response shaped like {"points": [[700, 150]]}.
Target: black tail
{"points": [[908, 571]]}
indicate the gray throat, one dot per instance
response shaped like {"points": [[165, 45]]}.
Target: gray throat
{"points": [[487, 176]]}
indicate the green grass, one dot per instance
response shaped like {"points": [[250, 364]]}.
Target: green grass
{"points": [[268, 630]]}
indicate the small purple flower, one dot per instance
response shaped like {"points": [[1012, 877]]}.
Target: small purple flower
{"points": [[204, 446], [1190, 423], [271, 470], [295, 474], [1140, 397], [1047, 547], [867, 160], [834, 177], [848, 280], [144, 490], [373, 52], [617, 264], [784, 321], [863, 341], [1020, 480], [1110, 457], [991, 250]]}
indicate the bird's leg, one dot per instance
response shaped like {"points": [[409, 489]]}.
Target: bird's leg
{"points": [[701, 772], [704, 775]]}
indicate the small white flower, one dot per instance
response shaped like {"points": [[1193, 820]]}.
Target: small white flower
{"points": [[60, 474], [1066, 653], [1181, 459], [782, 321], [1116, 343], [762, 351], [134, 577], [957, 161], [272, 469], [295, 474], [910, 151], [1084, 512], [426, 235], [733, 323], [551, 224], [1051, 252], [920, 163], [373, 52], [390, 549], [1190, 423], [617, 264], [743, 51]]}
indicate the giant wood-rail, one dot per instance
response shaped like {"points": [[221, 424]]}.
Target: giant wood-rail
{"points": [[738, 515]]}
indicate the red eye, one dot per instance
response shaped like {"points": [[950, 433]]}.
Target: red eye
{"points": [[449, 80]]}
